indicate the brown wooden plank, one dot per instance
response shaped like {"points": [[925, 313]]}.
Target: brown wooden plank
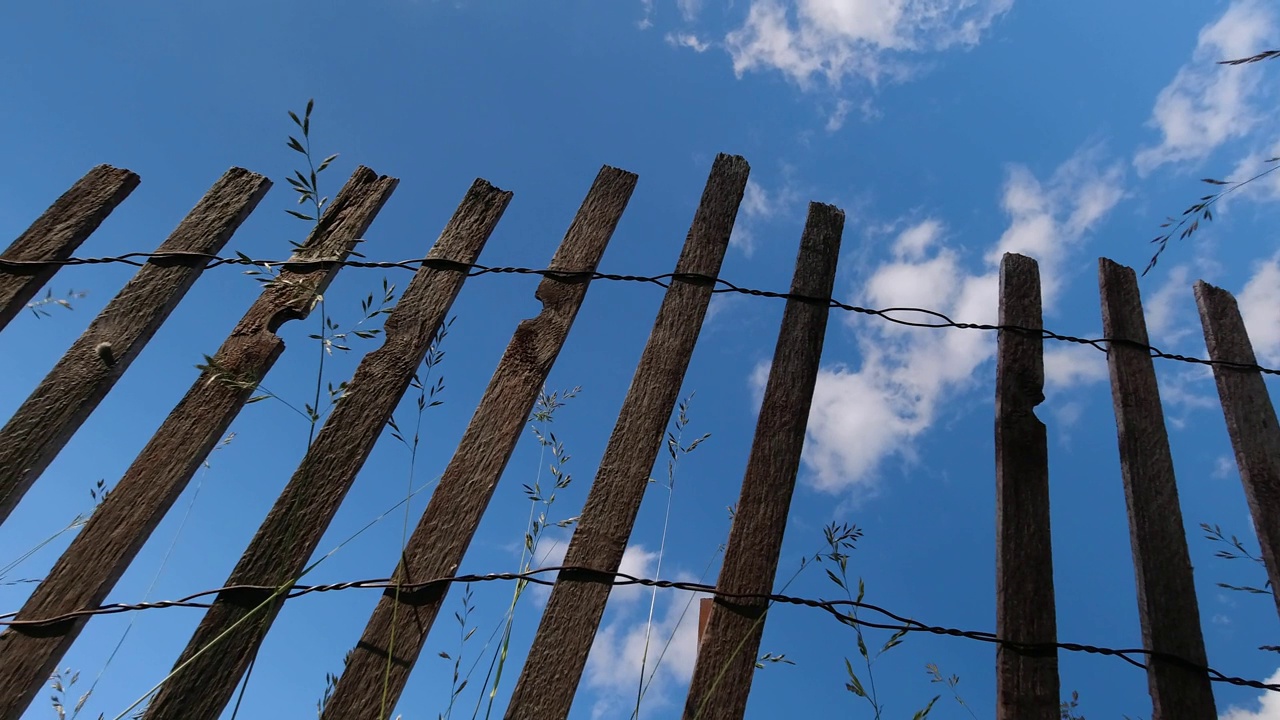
{"points": [[574, 610], [287, 538], [59, 231], [726, 660], [1167, 606], [1251, 419], [118, 528], [399, 625], [1026, 681], [71, 391]]}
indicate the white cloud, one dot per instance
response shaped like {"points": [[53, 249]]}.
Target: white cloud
{"points": [[1260, 308], [1255, 163], [689, 9], [862, 38], [1223, 467], [1170, 310], [835, 121], [1070, 365], [1047, 221], [863, 416], [1208, 104], [688, 40], [646, 22], [627, 644], [1266, 707], [760, 205]]}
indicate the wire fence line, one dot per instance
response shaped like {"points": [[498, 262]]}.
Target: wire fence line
{"points": [[833, 607], [939, 320]]}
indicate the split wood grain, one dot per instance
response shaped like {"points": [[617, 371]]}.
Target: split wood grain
{"points": [[73, 389], [59, 231], [1251, 419], [1167, 606], [119, 527], [370, 685], [569, 623], [726, 659], [1027, 683]]}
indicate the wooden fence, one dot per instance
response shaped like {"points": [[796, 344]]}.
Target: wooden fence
{"points": [[1027, 671]]}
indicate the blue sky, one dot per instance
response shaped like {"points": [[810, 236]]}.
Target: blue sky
{"points": [[950, 131]]}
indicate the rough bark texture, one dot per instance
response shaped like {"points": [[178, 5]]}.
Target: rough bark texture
{"points": [[726, 658], [1251, 420], [554, 666], [83, 377], [119, 527], [301, 514], [1167, 605], [1026, 681], [400, 623], [59, 231]]}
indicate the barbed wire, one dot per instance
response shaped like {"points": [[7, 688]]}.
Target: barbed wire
{"points": [[941, 320], [616, 579]]}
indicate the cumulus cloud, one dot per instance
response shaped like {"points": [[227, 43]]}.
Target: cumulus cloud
{"points": [[865, 415], [1260, 308], [1267, 706], [1206, 104], [861, 38], [627, 645]]}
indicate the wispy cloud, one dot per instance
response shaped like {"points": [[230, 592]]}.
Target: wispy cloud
{"points": [[760, 205], [1206, 104], [863, 416], [836, 39], [689, 40]]}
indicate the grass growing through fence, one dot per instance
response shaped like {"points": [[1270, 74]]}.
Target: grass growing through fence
{"points": [[676, 449], [98, 493], [541, 501], [39, 307], [1237, 551], [330, 337], [428, 393]]}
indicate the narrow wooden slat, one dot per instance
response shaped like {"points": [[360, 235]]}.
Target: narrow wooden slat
{"points": [[576, 606], [399, 625], [118, 528], [287, 538], [726, 660], [1026, 681], [1167, 606], [82, 378], [59, 231], [1251, 419]]}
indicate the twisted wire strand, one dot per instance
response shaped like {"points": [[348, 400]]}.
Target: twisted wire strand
{"points": [[408, 591], [938, 320]]}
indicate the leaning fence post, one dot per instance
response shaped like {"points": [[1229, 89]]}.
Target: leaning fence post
{"points": [[58, 232], [1026, 680], [399, 625], [727, 655], [87, 372], [106, 545], [302, 512], [1251, 419], [1167, 606], [569, 623]]}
